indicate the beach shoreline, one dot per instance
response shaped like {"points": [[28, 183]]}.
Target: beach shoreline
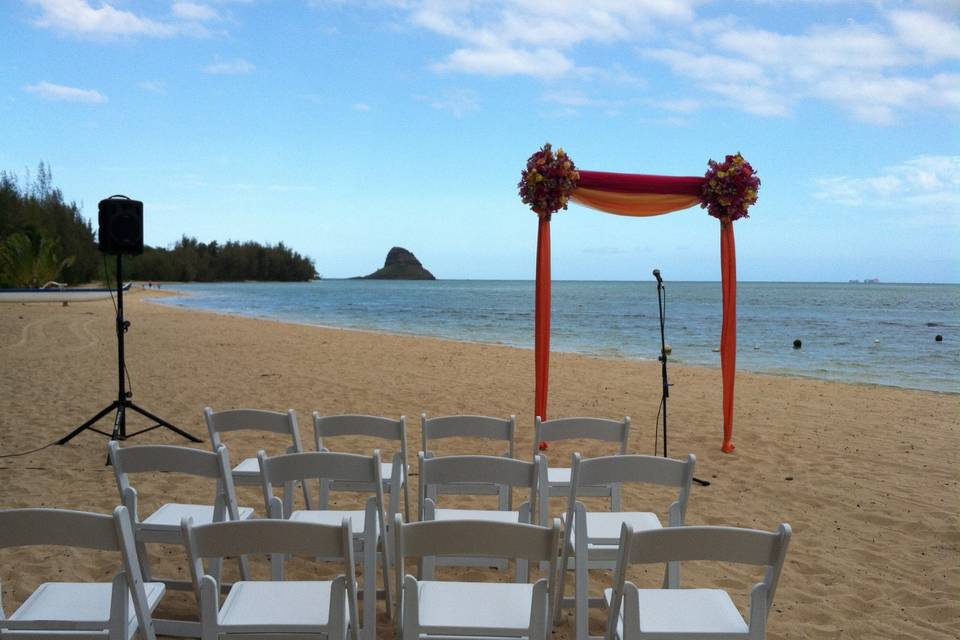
{"points": [[866, 474], [555, 350]]}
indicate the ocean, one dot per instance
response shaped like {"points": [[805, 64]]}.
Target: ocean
{"points": [[869, 333]]}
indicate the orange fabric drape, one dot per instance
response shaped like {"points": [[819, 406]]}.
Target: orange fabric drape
{"points": [[728, 330], [542, 319], [633, 204], [639, 195]]}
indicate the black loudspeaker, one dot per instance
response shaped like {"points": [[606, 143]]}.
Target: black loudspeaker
{"points": [[121, 226]]}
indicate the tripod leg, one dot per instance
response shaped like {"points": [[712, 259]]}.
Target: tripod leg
{"points": [[163, 423], [70, 436], [120, 423]]}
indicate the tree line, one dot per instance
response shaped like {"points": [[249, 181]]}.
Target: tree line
{"points": [[44, 238]]}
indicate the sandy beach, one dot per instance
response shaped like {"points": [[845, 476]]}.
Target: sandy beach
{"points": [[867, 476]]}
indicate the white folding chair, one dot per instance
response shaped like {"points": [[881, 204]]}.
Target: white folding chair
{"points": [[592, 542], [247, 473], [452, 471], [367, 524], [97, 610], [673, 612], [163, 525], [394, 473], [277, 608], [433, 609], [599, 429], [474, 427]]}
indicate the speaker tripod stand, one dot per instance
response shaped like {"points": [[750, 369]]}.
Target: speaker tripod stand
{"points": [[123, 401]]}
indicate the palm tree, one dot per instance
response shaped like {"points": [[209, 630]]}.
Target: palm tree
{"points": [[30, 262]]}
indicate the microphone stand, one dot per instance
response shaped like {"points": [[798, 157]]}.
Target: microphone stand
{"points": [[661, 298]]}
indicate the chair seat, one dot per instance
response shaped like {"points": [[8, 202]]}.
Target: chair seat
{"points": [[247, 469], [386, 471], [558, 476], [489, 515], [446, 608], [80, 601], [169, 515], [558, 479], [289, 606], [709, 612], [604, 527], [357, 518]]}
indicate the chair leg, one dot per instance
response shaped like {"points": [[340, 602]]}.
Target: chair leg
{"points": [[144, 561], [370, 589], [581, 597], [581, 565], [385, 562]]}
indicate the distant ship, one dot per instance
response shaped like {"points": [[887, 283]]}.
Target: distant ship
{"points": [[865, 281]]}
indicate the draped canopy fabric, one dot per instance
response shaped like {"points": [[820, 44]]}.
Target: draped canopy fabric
{"points": [[641, 196]]}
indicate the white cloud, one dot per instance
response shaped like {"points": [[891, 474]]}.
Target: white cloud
{"points": [[229, 67], [457, 102], [361, 106], [934, 36], [544, 63], [77, 17], [917, 184], [875, 69], [153, 86], [871, 73], [530, 37], [83, 19], [194, 11], [61, 93]]}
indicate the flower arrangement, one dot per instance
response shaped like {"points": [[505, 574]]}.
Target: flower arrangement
{"points": [[548, 181], [730, 188]]}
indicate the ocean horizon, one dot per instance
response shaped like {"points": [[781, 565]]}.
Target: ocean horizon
{"points": [[873, 333]]}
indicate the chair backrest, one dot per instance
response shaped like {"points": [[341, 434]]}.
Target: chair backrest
{"points": [[318, 465], [477, 538], [275, 538], [80, 529], [359, 425], [255, 420], [466, 426], [452, 470], [147, 458], [600, 429], [635, 469], [712, 543]]}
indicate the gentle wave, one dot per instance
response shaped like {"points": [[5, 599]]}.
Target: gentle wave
{"points": [[877, 334]]}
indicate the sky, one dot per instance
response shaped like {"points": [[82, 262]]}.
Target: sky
{"points": [[345, 128]]}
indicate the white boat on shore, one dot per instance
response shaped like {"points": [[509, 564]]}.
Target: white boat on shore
{"points": [[59, 294]]}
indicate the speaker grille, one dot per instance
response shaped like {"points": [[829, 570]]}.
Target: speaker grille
{"points": [[121, 226]]}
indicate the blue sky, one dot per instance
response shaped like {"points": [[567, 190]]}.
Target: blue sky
{"points": [[344, 128]]}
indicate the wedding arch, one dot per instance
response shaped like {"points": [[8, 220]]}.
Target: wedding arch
{"points": [[727, 190]]}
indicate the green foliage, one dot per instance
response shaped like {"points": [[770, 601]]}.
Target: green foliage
{"points": [[30, 262], [36, 211], [190, 260]]}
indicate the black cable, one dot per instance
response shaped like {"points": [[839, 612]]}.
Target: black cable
{"points": [[656, 429], [23, 453]]}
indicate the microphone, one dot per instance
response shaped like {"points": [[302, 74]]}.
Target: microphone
{"points": [[656, 274]]}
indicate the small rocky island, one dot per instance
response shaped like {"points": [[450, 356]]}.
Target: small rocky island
{"points": [[400, 265]]}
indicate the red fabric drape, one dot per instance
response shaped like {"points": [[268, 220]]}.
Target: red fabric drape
{"points": [[640, 183], [542, 319], [728, 330]]}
